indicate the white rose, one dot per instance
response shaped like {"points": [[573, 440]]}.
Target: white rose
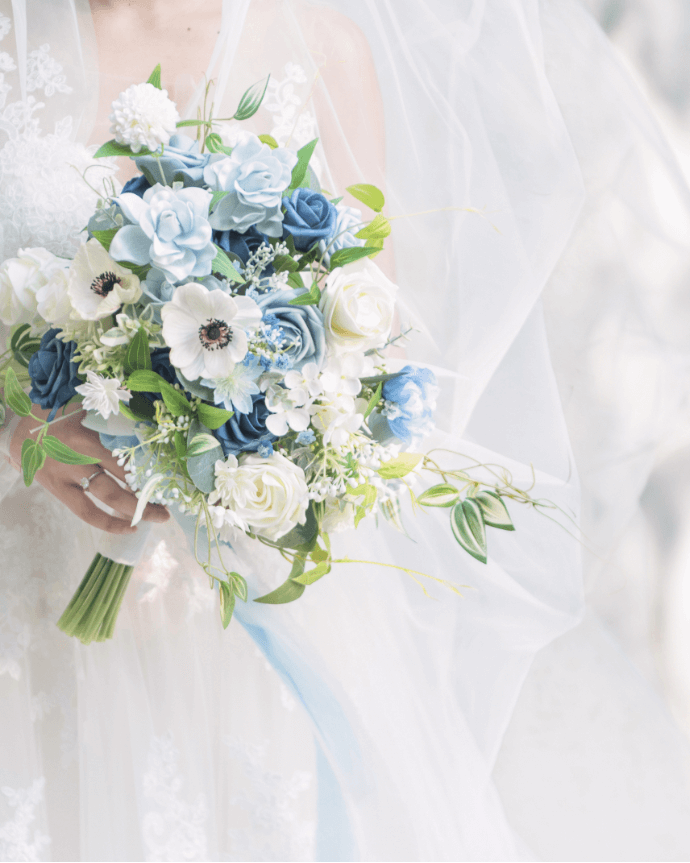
{"points": [[53, 302], [270, 495], [20, 279], [358, 304]]}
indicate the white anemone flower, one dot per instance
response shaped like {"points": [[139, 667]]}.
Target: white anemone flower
{"points": [[206, 331], [98, 285], [143, 116], [102, 394]]}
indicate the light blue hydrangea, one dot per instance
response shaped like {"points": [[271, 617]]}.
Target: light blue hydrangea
{"points": [[306, 437]]}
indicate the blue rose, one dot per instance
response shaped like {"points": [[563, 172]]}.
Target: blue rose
{"points": [[243, 245], [53, 373], [136, 186], [181, 160], [302, 326], [309, 217], [254, 177], [168, 229], [410, 400], [246, 432]]}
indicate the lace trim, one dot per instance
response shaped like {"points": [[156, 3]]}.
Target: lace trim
{"points": [[284, 99], [17, 842]]}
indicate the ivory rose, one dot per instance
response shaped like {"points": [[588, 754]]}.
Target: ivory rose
{"points": [[268, 495], [358, 304]]}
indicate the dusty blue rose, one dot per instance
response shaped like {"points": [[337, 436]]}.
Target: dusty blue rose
{"points": [[136, 186], [246, 432], [181, 160], [255, 178], [302, 326], [168, 229], [53, 373], [309, 217]]}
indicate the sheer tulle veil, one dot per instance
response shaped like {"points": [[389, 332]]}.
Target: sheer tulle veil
{"points": [[515, 161]]}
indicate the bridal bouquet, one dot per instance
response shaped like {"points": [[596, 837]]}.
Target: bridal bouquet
{"points": [[224, 326]]}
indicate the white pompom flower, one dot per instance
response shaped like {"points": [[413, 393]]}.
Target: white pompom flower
{"points": [[102, 394], [143, 116]]}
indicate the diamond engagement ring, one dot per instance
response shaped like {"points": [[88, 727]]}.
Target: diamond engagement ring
{"points": [[85, 481]]}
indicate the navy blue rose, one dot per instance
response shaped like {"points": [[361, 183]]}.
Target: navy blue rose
{"points": [[181, 160], [53, 373], [137, 186], [309, 217], [243, 245], [246, 432], [302, 328]]}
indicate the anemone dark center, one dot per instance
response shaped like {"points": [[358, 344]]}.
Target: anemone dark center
{"points": [[215, 334], [103, 284]]}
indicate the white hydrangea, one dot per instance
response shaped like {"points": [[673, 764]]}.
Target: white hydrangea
{"points": [[143, 116]]}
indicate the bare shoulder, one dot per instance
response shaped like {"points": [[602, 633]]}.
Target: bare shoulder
{"points": [[334, 33]]}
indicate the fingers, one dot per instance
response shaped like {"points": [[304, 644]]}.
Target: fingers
{"points": [[74, 498], [87, 442], [107, 490]]}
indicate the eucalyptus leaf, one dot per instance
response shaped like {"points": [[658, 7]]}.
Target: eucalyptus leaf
{"points": [[227, 603], [155, 77], [368, 195], [494, 510], [443, 494], [350, 255], [138, 356], [251, 100], [223, 265], [468, 528], [400, 465], [213, 417], [202, 468], [15, 396], [59, 451], [201, 443]]}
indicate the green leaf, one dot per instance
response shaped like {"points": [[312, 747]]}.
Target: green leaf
{"points": [[138, 356], [223, 265], [400, 465], [299, 172], [281, 263], [17, 336], [214, 144], [302, 535], [443, 494], [3, 413], [180, 445], [15, 396], [33, 459], [296, 281], [145, 381], [468, 528], [379, 379], [139, 271], [182, 123], [213, 417], [348, 256], [227, 603], [155, 77], [239, 585], [175, 402], [288, 591], [105, 238], [59, 451], [309, 257], [201, 443], [369, 195], [112, 148], [251, 100], [319, 554], [360, 513], [494, 510], [312, 575], [141, 407], [215, 197], [378, 229], [335, 201], [202, 468], [365, 490], [270, 140], [311, 297], [374, 400]]}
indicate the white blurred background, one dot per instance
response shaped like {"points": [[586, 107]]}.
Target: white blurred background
{"points": [[644, 597]]}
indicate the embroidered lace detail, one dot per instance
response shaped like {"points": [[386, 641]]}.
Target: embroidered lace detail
{"points": [[44, 73], [172, 828], [17, 840], [274, 829], [284, 99], [5, 26]]}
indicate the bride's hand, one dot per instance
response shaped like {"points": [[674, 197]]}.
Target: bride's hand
{"points": [[63, 480]]}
